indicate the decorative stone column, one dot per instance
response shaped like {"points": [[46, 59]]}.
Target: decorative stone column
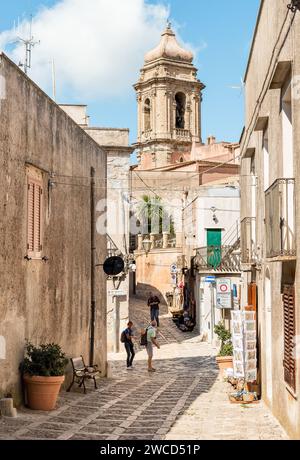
{"points": [[152, 239], [140, 242], [165, 240]]}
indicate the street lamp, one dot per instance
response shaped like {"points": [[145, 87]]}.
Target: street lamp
{"points": [[294, 6], [147, 244]]}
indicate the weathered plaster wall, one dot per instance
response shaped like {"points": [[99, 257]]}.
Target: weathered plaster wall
{"points": [[46, 301], [275, 24], [153, 271]]}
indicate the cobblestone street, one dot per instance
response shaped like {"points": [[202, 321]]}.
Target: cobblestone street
{"points": [[183, 400]]}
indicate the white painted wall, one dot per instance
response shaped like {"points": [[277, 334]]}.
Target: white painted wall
{"points": [[226, 200]]}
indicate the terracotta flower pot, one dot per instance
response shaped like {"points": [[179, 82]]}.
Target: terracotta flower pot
{"points": [[224, 362], [42, 392]]}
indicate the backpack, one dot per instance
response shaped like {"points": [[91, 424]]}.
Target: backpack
{"points": [[144, 340], [123, 337]]}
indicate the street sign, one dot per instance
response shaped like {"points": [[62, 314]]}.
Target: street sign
{"points": [[223, 285], [113, 266], [210, 279], [173, 268], [116, 293], [224, 296]]}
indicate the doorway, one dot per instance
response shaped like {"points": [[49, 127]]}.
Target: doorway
{"points": [[268, 335]]}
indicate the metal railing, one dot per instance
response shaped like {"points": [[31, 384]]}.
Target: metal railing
{"points": [[219, 258], [248, 240], [280, 219]]}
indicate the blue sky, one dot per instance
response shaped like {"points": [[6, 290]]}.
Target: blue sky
{"points": [[220, 29]]}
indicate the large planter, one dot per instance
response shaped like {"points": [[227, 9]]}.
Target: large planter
{"points": [[42, 392], [224, 362]]}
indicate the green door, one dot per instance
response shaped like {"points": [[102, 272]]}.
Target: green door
{"points": [[214, 242]]}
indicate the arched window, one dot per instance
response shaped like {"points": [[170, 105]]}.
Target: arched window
{"points": [[180, 110], [147, 115], [181, 160]]}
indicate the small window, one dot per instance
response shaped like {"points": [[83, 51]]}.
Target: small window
{"points": [[147, 115], [34, 218], [180, 110]]}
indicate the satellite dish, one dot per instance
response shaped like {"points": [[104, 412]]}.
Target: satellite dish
{"points": [[113, 266]]}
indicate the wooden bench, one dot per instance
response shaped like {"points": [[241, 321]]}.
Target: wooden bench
{"points": [[81, 372]]}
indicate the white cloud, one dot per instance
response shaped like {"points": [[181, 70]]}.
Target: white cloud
{"points": [[97, 45]]}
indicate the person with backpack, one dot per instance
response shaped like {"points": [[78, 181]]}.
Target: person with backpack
{"points": [[148, 338], [153, 303], [126, 338]]}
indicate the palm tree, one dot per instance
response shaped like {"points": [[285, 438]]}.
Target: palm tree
{"points": [[154, 217]]}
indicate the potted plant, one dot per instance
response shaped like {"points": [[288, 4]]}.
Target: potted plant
{"points": [[43, 373], [224, 358]]}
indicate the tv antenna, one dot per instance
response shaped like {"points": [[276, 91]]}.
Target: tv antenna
{"points": [[29, 43]]}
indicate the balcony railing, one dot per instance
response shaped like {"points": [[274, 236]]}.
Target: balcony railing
{"points": [[182, 134], [219, 258], [280, 219], [248, 240]]}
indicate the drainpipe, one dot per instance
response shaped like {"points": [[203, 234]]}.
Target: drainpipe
{"points": [[93, 267]]}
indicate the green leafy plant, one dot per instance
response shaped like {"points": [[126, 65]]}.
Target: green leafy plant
{"points": [[151, 210], [47, 360], [225, 337]]}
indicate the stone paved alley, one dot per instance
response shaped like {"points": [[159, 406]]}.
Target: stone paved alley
{"points": [[183, 400]]}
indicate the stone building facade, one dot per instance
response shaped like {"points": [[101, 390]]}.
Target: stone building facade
{"points": [[45, 229], [115, 217], [169, 105], [173, 162], [270, 203]]}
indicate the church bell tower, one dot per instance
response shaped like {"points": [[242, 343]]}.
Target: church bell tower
{"points": [[169, 105]]}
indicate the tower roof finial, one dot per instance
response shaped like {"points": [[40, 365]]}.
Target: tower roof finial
{"points": [[169, 24]]}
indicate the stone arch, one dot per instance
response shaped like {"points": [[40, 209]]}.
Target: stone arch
{"points": [[147, 114], [180, 99]]}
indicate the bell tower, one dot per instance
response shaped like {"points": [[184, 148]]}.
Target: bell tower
{"points": [[169, 105]]}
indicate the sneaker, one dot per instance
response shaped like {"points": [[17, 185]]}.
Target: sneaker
{"points": [[152, 370], [129, 368]]}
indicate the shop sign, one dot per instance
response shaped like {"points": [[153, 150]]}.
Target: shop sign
{"points": [[224, 297]]}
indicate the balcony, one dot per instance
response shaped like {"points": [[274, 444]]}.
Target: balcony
{"points": [[219, 259], [182, 135], [280, 219], [248, 240]]}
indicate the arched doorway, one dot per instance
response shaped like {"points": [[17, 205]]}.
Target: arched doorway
{"points": [[268, 335], [180, 110]]}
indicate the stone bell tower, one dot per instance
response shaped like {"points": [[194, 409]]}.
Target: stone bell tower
{"points": [[169, 105]]}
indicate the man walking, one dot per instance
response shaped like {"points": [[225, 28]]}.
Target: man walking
{"points": [[129, 347], [153, 303], [151, 340]]}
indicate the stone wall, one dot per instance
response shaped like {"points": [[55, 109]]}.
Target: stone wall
{"points": [[153, 271], [115, 142], [46, 300], [264, 84]]}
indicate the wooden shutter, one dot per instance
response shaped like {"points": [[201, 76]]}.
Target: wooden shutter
{"points": [[34, 218], [289, 362], [252, 296], [30, 217]]}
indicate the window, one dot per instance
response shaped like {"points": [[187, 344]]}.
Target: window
{"points": [[34, 218], [289, 362], [287, 131], [180, 110], [147, 115]]}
